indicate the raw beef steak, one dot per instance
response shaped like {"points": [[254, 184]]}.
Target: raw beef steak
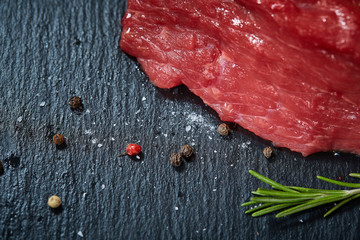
{"points": [[288, 70]]}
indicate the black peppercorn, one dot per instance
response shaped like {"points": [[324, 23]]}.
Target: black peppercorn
{"points": [[186, 150], [223, 129], [268, 152], [176, 159], [75, 102]]}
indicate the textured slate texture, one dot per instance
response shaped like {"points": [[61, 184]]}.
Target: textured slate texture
{"points": [[107, 197]]}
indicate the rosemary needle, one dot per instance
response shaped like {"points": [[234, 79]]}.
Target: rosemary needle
{"points": [[271, 182], [254, 209], [344, 184], [357, 175], [340, 204], [293, 199]]}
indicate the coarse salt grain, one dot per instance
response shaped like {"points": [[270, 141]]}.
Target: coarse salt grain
{"points": [[88, 132], [80, 234]]}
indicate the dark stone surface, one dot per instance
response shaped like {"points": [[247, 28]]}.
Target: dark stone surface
{"points": [[52, 50]]}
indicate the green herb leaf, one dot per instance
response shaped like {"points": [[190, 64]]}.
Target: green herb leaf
{"points": [[310, 204], [297, 199], [269, 192], [248, 203], [271, 209], [357, 175], [271, 182], [344, 184], [340, 204], [277, 200], [313, 190], [254, 209]]}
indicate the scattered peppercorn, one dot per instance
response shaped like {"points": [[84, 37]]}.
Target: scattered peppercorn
{"points": [[133, 149], [186, 150], [75, 102], [54, 201], [223, 129], [268, 152], [58, 139], [176, 159], [1, 168], [340, 178]]}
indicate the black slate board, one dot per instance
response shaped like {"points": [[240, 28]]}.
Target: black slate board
{"points": [[107, 197]]}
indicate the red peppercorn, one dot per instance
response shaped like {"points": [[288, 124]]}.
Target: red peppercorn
{"points": [[133, 149]]}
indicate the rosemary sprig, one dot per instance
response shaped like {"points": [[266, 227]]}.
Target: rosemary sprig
{"points": [[292, 199]]}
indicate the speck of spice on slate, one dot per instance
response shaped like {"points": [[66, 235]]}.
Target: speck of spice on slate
{"points": [[58, 139], [133, 149], [223, 129], [54, 201], [75, 102], [268, 152], [176, 159], [186, 150]]}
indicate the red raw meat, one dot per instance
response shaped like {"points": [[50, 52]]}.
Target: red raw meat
{"points": [[288, 70]]}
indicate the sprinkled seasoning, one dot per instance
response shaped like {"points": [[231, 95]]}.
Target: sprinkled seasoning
{"points": [[75, 102], [268, 152], [54, 201], [223, 129], [80, 234], [176, 159], [133, 149], [58, 139], [186, 150]]}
